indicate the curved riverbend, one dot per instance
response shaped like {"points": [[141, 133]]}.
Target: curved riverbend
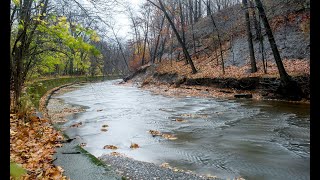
{"points": [[225, 138]]}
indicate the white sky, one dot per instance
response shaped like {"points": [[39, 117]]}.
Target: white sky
{"points": [[123, 22]]}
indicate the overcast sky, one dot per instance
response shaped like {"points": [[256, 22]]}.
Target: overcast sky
{"points": [[122, 20]]}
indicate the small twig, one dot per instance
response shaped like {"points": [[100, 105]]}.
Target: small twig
{"points": [[71, 152], [68, 140], [53, 160]]}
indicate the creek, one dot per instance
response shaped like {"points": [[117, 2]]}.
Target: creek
{"points": [[225, 138]]}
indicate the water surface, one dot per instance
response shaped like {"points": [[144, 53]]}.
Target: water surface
{"points": [[225, 138]]}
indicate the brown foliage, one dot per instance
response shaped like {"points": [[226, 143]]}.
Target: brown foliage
{"points": [[208, 68], [32, 144], [134, 146]]}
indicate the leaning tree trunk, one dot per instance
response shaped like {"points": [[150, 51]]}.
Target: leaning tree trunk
{"points": [[185, 51], [219, 38], [289, 88], [249, 34]]}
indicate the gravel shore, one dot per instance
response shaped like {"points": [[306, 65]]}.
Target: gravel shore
{"points": [[133, 169]]}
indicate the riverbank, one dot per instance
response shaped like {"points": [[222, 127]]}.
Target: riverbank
{"points": [[160, 79]]}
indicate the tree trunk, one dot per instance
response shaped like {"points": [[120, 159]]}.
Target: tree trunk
{"points": [[19, 51], [185, 51], [182, 27], [195, 15], [191, 11], [289, 88], [157, 42], [219, 39], [199, 10], [208, 7], [259, 36], [145, 41], [249, 34]]}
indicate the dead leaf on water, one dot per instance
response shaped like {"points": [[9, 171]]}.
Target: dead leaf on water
{"points": [[155, 133], [105, 125], [110, 147], [134, 146], [76, 125], [180, 120], [169, 136], [104, 129]]}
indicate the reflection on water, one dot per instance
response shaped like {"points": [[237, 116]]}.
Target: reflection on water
{"points": [[231, 138]]}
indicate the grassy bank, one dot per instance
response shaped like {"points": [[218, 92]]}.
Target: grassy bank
{"points": [[37, 89]]}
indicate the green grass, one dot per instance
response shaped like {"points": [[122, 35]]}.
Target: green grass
{"points": [[16, 171], [37, 89]]}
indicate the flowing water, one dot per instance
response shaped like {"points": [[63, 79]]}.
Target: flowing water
{"points": [[225, 138]]}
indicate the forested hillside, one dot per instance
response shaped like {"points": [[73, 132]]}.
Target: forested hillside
{"points": [[230, 39]]}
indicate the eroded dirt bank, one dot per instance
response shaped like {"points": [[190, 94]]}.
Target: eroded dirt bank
{"points": [[258, 88]]}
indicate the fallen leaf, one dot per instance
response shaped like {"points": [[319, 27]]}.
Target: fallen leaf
{"points": [[169, 136], [134, 146], [155, 133], [110, 147], [104, 129], [180, 120], [76, 125]]}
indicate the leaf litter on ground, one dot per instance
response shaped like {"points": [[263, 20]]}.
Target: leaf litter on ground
{"points": [[32, 144]]}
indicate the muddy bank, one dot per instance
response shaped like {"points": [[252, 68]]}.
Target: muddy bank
{"points": [[260, 87]]}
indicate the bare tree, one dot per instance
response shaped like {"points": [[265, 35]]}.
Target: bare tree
{"points": [[218, 35], [183, 45], [249, 36], [145, 35], [157, 41], [259, 36], [289, 88]]}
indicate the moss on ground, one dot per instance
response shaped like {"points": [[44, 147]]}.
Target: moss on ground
{"points": [[93, 159]]}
